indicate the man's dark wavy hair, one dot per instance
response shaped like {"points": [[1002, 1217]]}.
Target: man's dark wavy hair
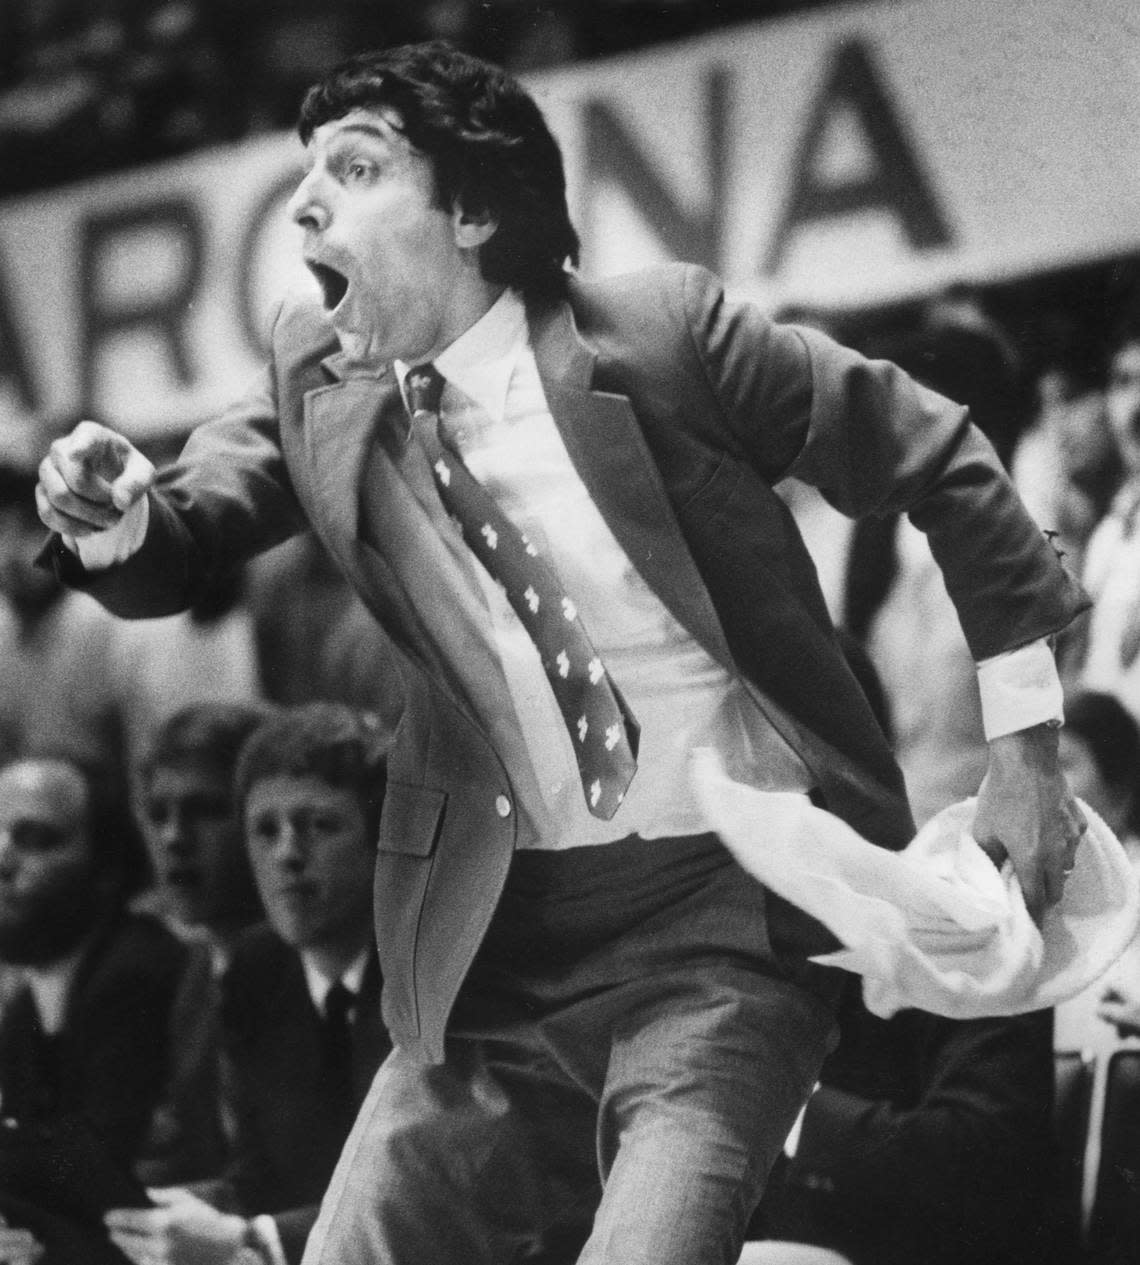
{"points": [[488, 142]]}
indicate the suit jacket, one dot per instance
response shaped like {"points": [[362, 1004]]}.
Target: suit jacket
{"points": [[291, 1122], [929, 1141], [680, 412], [109, 1062]]}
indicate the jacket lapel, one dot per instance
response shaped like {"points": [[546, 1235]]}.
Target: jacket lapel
{"points": [[340, 422], [610, 453], [354, 428], [602, 436]]}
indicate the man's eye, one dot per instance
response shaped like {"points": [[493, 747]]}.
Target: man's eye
{"points": [[263, 831], [359, 171], [157, 814]]}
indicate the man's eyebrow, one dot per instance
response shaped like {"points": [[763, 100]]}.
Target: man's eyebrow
{"points": [[371, 130], [386, 134]]}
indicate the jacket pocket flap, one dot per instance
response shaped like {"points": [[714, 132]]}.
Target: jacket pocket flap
{"points": [[410, 818]]}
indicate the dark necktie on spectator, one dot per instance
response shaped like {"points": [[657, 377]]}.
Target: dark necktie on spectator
{"points": [[1130, 632], [336, 1043], [602, 730]]}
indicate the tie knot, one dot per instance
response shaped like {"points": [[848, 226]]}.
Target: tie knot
{"points": [[424, 385]]}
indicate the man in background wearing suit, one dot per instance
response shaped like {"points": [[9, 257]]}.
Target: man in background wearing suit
{"points": [[85, 1041], [595, 1012], [301, 1010], [86, 1034]]}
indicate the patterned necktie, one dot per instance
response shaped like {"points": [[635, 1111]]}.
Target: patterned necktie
{"points": [[602, 730]]}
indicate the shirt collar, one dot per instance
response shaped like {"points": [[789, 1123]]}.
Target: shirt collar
{"points": [[318, 983], [50, 987], [482, 359]]}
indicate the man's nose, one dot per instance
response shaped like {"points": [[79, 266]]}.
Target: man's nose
{"points": [[308, 206], [174, 831], [290, 852]]}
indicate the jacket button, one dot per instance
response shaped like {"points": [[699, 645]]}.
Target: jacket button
{"points": [[502, 806]]}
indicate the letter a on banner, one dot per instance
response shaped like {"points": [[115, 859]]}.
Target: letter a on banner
{"points": [[895, 184]]}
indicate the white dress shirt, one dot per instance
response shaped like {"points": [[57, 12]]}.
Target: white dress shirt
{"points": [[495, 413]]}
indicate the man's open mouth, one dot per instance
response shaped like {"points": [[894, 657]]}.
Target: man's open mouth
{"points": [[334, 285]]}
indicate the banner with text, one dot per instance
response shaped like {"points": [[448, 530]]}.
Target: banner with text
{"points": [[850, 156]]}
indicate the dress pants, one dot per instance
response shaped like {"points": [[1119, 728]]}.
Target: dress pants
{"points": [[623, 1065]]}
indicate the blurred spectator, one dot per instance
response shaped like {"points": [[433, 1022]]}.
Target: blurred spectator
{"points": [[18, 1246], [302, 1020], [207, 654], [205, 893], [928, 1140], [192, 826], [72, 677], [1100, 753], [1066, 466], [87, 1034], [58, 678], [961, 352], [315, 639], [531, 34], [92, 86], [895, 601], [1111, 661]]}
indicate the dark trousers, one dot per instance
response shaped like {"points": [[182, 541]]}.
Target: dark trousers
{"points": [[627, 1055]]}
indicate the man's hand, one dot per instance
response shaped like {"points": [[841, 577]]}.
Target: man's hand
{"points": [[1122, 1010], [181, 1230], [1027, 813], [18, 1247], [89, 479]]}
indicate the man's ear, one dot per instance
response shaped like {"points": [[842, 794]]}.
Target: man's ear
{"points": [[472, 228]]}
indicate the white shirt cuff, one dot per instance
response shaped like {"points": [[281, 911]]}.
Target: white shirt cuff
{"points": [[1019, 689], [103, 549], [270, 1241]]}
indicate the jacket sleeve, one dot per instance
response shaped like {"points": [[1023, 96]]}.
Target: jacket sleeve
{"points": [[875, 442], [226, 499]]}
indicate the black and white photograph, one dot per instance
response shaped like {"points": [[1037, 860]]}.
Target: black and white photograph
{"points": [[569, 632]]}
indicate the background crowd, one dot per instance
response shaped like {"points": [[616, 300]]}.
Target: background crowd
{"points": [[92, 86], [188, 992]]}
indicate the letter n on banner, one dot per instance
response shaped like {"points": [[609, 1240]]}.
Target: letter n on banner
{"points": [[612, 155], [896, 183]]}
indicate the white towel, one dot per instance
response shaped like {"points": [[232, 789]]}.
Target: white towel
{"points": [[936, 926]]}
